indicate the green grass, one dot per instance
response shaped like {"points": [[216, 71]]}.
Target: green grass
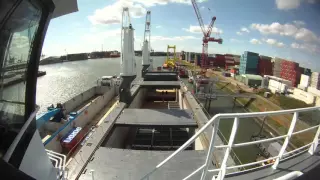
{"points": [[285, 103]]}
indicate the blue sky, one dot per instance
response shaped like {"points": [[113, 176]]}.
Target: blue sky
{"points": [[284, 28]]}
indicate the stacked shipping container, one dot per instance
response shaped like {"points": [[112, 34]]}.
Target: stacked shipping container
{"points": [[187, 56], [315, 80], [198, 59], [264, 66], [219, 60], [305, 71], [236, 60], [277, 66], [248, 63], [229, 61], [304, 81], [290, 71], [192, 57]]}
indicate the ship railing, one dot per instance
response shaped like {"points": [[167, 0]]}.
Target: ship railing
{"points": [[223, 138], [59, 161], [222, 171]]}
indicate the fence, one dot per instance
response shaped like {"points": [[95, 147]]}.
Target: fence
{"points": [[222, 170]]}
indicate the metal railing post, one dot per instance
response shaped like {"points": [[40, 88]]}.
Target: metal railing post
{"points": [[286, 141], [223, 167], [211, 147], [315, 142]]}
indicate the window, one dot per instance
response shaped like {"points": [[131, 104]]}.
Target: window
{"points": [[16, 37]]}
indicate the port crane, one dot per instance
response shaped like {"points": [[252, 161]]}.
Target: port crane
{"points": [[146, 60], [206, 35], [128, 63]]}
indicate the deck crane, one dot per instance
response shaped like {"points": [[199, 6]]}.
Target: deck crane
{"points": [[128, 63], [146, 61], [206, 35]]}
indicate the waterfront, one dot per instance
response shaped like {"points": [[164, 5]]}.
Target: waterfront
{"points": [[66, 80]]}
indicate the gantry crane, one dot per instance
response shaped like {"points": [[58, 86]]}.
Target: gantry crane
{"points": [[171, 60], [206, 35]]}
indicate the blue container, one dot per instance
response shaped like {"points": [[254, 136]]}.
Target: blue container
{"points": [[248, 53]]}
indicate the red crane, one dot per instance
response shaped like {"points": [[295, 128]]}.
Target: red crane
{"points": [[206, 35]]}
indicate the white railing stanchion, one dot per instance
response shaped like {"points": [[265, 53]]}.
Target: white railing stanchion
{"points": [[211, 147], [223, 167], [243, 116], [315, 142], [287, 139]]}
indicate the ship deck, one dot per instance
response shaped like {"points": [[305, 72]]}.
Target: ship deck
{"points": [[111, 163], [156, 118], [303, 162], [159, 84]]}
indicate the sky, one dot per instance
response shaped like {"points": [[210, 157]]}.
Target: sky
{"points": [[287, 29]]}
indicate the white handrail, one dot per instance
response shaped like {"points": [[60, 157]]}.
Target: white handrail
{"points": [[291, 175], [60, 158], [16, 140], [237, 116]]}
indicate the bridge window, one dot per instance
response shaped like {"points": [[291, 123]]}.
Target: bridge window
{"points": [[16, 37]]}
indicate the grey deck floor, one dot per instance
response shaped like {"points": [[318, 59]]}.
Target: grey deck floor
{"points": [[156, 117], [304, 163], [158, 83], [134, 164]]}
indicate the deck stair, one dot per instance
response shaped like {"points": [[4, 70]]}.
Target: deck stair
{"points": [[173, 105]]}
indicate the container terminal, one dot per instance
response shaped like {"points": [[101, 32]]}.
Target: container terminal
{"points": [[151, 126]]}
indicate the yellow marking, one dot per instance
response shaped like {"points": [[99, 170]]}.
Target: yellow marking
{"points": [[162, 101], [46, 138], [108, 112], [164, 90]]}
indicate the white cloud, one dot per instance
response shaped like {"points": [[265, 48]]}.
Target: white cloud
{"points": [[149, 3], [174, 38], [201, 1], [270, 41], [313, 1], [286, 30], [202, 7], [112, 14], [288, 4], [306, 35], [280, 44], [299, 23], [242, 31], [310, 48], [245, 30], [235, 40], [255, 41], [19, 41], [273, 42], [101, 36], [197, 29], [158, 26], [292, 4]]}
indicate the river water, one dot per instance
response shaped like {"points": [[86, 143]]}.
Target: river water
{"points": [[66, 80]]}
